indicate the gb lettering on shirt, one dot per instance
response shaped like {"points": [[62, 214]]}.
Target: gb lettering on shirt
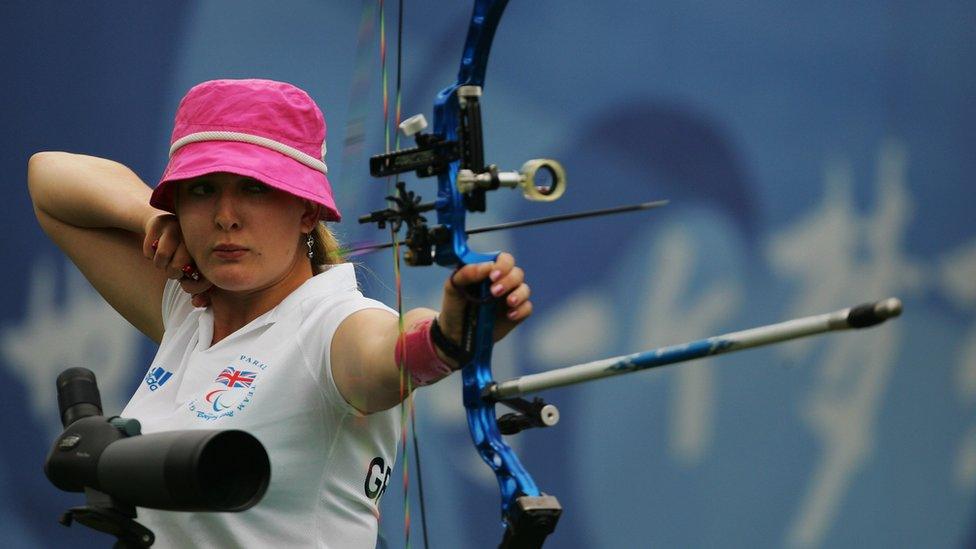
{"points": [[377, 479], [230, 392]]}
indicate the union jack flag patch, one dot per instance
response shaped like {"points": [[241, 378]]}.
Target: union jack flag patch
{"points": [[233, 378]]}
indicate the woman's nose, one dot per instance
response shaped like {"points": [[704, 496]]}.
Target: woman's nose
{"points": [[226, 216]]}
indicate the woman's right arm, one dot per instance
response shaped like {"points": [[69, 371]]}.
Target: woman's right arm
{"points": [[97, 211]]}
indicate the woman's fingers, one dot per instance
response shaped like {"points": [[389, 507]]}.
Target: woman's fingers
{"points": [[520, 312], [164, 246], [177, 265], [504, 275], [507, 286], [496, 271], [518, 296], [183, 265], [163, 258], [470, 275], [149, 245], [156, 228]]}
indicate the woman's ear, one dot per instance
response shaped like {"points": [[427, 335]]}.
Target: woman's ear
{"points": [[310, 215]]}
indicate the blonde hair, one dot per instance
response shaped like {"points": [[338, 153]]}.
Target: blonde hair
{"points": [[325, 248]]}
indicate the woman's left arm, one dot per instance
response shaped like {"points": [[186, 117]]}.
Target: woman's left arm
{"points": [[363, 354]]}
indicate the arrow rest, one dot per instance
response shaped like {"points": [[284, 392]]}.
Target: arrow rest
{"points": [[407, 209]]}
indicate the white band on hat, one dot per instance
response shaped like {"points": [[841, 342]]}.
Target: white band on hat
{"points": [[286, 150]]}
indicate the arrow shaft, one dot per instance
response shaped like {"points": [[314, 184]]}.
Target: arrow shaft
{"points": [[360, 250]]}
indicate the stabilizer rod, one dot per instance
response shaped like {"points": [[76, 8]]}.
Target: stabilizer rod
{"points": [[860, 316]]}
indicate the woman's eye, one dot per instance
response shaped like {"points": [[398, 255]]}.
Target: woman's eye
{"points": [[256, 187], [200, 188]]}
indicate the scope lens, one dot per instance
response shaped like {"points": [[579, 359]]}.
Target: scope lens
{"points": [[238, 482]]}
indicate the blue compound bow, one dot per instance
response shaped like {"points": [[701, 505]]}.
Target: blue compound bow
{"points": [[454, 152]]}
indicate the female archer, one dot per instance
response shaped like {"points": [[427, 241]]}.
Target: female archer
{"points": [[228, 265]]}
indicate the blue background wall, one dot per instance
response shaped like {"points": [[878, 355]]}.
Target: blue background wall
{"points": [[815, 156]]}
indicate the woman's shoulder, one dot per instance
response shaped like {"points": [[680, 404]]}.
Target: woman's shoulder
{"points": [[330, 295], [176, 304]]}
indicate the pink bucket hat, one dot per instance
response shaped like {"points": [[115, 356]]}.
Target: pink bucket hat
{"points": [[271, 131]]}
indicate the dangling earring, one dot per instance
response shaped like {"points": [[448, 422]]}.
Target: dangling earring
{"points": [[309, 241]]}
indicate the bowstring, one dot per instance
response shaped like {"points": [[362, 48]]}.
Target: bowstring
{"points": [[407, 409], [390, 184], [413, 409]]}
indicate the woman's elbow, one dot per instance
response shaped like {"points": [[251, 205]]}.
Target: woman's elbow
{"points": [[39, 169], [37, 164]]}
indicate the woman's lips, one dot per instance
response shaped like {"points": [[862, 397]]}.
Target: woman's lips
{"points": [[225, 251]]}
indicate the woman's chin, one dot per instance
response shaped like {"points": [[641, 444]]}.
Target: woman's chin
{"points": [[233, 279], [245, 277]]}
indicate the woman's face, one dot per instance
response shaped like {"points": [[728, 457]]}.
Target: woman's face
{"points": [[242, 234]]}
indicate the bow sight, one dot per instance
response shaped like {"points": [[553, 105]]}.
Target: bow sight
{"points": [[542, 180]]}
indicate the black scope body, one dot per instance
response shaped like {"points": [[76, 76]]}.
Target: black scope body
{"points": [[191, 470]]}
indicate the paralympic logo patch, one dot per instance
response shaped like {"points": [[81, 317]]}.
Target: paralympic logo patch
{"points": [[156, 378], [230, 393]]}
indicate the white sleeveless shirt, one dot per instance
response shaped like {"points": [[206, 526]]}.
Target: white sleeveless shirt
{"points": [[272, 378]]}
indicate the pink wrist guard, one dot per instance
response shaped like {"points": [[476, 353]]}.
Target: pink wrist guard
{"points": [[415, 351]]}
